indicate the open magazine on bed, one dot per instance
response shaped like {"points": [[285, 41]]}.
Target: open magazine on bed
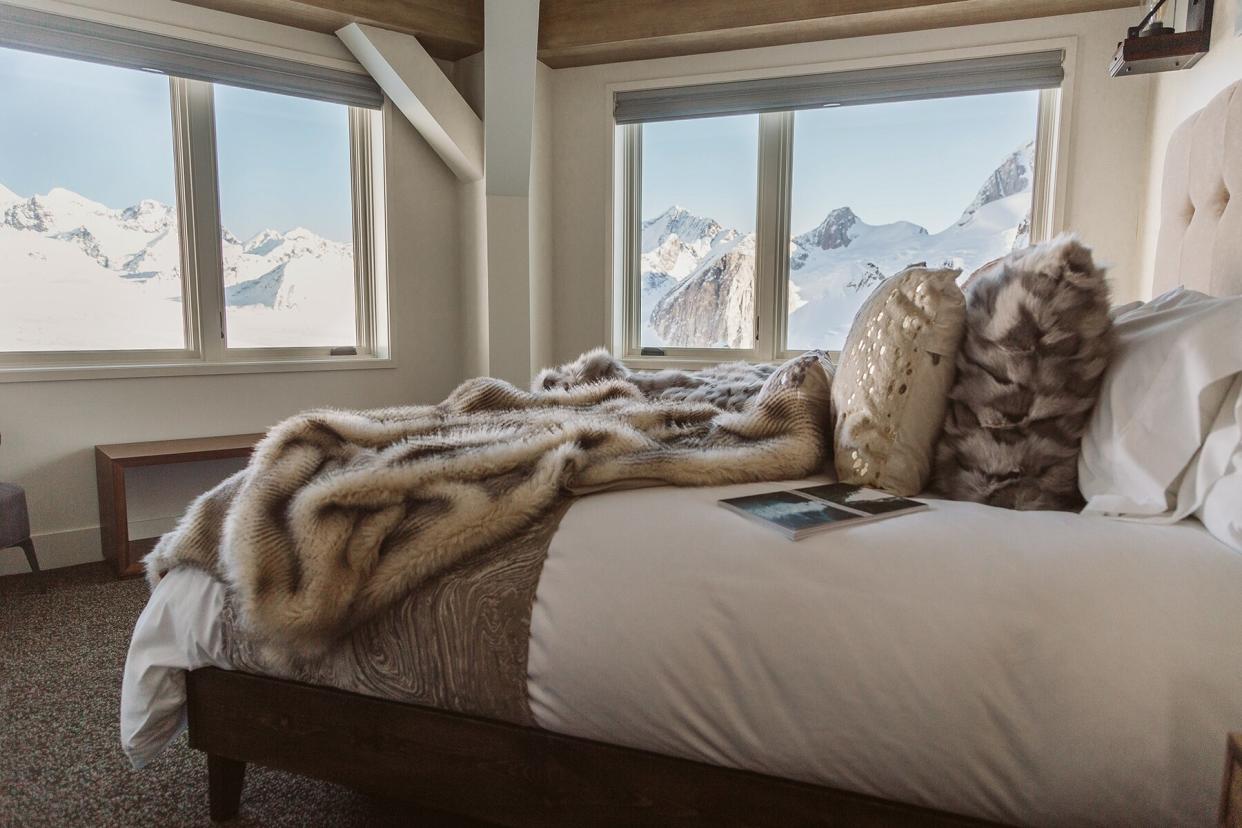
{"points": [[797, 513]]}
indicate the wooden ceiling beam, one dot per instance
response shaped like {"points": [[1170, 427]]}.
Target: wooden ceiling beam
{"points": [[586, 32], [448, 29]]}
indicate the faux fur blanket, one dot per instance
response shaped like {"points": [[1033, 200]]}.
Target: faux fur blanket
{"points": [[340, 514]]}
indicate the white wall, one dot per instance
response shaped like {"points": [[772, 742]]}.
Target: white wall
{"points": [[467, 76], [1175, 95], [1107, 161], [521, 332], [542, 231], [49, 429]]}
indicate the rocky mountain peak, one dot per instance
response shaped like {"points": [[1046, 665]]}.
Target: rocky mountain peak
{"points": [[680, 222], [1013, 176], [833, 232]]}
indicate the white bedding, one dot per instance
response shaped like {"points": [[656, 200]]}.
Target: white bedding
{"points": [[1030, 667], [178, 630]]}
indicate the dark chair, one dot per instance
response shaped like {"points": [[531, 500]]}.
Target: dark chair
{"points": [[15, 522]]}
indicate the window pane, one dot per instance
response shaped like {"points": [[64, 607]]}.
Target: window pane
{"points": [[878, 187], [90, 257], [698, 232], [287, 215]]}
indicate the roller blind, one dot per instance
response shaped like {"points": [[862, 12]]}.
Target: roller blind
{"points": [[974, 76], [104, 43]]}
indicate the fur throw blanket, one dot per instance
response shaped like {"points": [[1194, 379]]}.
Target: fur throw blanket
{"points": [[342, 513], [729, 386]]}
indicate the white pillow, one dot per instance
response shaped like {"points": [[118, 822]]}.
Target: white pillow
{"points": [[1221, 511], [1213, 483], [893, 380], [1175, 362]]}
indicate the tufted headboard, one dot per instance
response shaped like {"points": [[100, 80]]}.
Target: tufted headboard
{"points": [[1200, 241]]}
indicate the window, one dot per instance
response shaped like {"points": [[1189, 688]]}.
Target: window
{"points": [[692, 257], [147, 217], [287, 222], [759, 235], [89, 235]]}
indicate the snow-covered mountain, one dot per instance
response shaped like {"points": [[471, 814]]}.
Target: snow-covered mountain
{"points": [[832, 267], [674, 244], [112, 278]]}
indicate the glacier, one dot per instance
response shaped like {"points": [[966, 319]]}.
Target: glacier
{"points": [[78, 275]]}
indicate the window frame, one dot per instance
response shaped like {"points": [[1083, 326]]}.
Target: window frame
{"points": [[192, 105], [774, 198]]}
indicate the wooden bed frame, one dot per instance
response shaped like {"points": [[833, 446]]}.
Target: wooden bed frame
{"points": [[489, 770]]}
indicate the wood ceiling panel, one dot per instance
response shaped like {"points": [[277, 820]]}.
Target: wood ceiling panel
{"points": [[585, 32], [448, 29]]}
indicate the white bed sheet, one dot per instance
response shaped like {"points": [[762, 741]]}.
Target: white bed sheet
{"points": [[1030, 667], [1042, 668], [178, 630]]}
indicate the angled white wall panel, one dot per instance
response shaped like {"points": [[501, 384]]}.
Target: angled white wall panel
{"points": [[419, 88]]}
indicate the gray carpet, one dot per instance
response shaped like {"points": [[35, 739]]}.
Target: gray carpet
{"points": [[63, 637]]}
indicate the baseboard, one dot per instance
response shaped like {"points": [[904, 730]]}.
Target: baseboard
{"points": [[56, 549], [71, 547]]}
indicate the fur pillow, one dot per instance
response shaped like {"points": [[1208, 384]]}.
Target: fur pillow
{"points": [[896, 368], [1038, 338]]}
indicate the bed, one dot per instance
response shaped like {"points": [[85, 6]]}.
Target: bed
{"points": [[956, 666]]}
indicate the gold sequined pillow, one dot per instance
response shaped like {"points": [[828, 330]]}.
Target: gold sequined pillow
{"points": [[893, 379]]}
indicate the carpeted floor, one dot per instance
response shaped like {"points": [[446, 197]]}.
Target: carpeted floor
{"points": [[63, 637]]}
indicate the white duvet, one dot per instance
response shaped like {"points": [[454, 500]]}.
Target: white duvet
{"points": [[1029, 667]]}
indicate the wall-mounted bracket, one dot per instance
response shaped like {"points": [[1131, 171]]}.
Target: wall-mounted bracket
{"points": [[1140, 54]]}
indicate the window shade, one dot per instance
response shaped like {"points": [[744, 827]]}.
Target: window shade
{"points": [[103, 43], [974, 76]]}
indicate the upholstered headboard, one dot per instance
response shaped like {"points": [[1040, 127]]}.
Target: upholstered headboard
{"points": [[1200, 241]]}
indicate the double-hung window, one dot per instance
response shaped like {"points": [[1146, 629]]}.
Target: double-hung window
{"points": [[755, 217], [169, 202]]}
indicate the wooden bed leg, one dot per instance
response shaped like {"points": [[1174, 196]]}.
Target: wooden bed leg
{"points": [[225, 778]]}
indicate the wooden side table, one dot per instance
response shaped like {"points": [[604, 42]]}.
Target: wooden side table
{"points": [[1231, 796], [111, 461]]}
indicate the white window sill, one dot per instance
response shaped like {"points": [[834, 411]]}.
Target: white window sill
{"points": [[657, 363], [55, 373]]}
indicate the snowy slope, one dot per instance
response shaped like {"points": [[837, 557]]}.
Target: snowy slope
{"points": [[89, 276]]}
